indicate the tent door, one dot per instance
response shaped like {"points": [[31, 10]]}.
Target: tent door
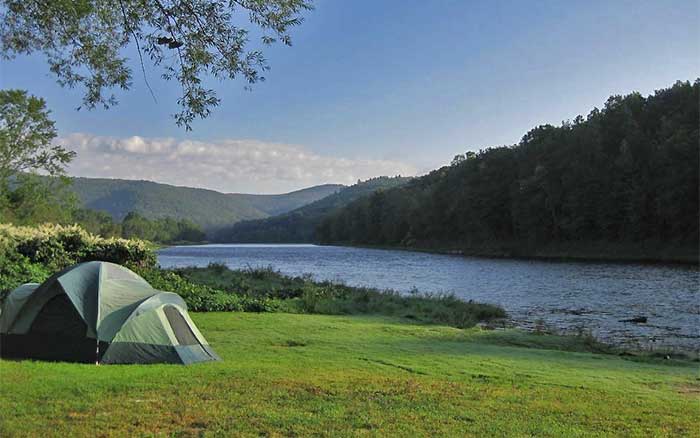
{"points": [[57, 333], [182, 330]]}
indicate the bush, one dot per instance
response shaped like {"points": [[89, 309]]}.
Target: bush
{"points": [[33, 253], [250, 282], [16, 270], [203, 298], [58, 246]]}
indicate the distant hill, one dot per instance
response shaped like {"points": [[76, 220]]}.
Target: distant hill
{"points": [[299, 225], [207, 208]]}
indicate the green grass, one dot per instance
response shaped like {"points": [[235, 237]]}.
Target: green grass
{"points": [[314, 375]]}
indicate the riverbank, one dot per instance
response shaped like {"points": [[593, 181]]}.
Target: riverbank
{"points": [[600, 298], [216, 287], [315, 375], [647, 252]]}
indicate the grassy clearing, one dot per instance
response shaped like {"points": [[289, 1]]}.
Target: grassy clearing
{"points": [[301, 375]]}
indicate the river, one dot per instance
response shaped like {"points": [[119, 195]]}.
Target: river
{"points": [[565, 296]]}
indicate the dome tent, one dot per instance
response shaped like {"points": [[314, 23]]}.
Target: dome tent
{"points": [[99, 312]]}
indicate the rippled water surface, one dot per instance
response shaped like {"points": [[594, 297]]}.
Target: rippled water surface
{"points": [[563, 295]]}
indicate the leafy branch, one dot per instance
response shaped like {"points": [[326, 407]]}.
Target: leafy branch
{"points": [[83, 42]]}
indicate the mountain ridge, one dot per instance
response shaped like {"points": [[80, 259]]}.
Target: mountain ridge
{"points": [[208, 208], [299, 225]]}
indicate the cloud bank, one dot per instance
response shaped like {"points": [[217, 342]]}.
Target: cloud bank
{"points": [[225, 165]]}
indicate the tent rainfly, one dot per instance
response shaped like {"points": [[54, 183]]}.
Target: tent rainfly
{"points": [[103, 313]]}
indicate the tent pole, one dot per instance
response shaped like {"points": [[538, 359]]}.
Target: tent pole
{"points": [[97, 352]]}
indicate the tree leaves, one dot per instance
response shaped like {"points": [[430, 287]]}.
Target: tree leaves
{"points": [[628, 173], [26, 134], [190, 40]]}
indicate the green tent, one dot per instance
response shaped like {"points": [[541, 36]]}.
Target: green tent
{"points": [[103, 313]]}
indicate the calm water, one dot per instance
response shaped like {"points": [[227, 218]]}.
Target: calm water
{"points": [[566, 296]]}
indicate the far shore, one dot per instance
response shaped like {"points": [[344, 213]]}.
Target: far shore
{"points": [[580, 253], [651, 253]]}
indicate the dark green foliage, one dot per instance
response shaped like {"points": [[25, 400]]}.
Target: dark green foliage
{"points": [[97, 222], [299, 225], [16, 270], [626, 174], [35, 200], [32, 199], [335, 299], [203, 298], [251, 282], [26, 147], [167, 230], [209, 209]]}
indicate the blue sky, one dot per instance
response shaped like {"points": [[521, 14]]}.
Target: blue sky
{"points": [[384, 87]]}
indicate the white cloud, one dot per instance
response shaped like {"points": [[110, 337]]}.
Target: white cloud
{"points": [[225, 165]]}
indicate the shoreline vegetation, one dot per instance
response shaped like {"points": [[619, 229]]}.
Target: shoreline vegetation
{"points": [[619, 184], [648, 253], [598, 342]]}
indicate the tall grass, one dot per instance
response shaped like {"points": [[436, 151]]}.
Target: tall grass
{"points": [[302, 294]]}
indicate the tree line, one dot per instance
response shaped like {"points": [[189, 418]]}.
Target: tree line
{"points": [[137, 226], [625, 173], [30, 199]]}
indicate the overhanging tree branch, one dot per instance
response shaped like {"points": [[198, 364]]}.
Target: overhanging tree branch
{"points": [[83, 41]]}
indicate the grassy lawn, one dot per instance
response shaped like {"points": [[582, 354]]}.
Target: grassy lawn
{"points": [[300, 375]]}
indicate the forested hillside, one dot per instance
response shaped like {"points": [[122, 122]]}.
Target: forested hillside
{"points": [[206, 208], [299, 225], [625, 174]]}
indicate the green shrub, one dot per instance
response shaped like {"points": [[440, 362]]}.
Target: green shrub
{"points": [[32, 254], [16, 270], [251, 282], [203, 298], [57, 246]]}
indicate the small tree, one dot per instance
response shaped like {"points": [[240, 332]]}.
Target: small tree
{"points": [[26, 134], [84, 41]]}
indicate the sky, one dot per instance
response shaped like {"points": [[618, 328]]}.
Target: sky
{"points": [[374, 88]]}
